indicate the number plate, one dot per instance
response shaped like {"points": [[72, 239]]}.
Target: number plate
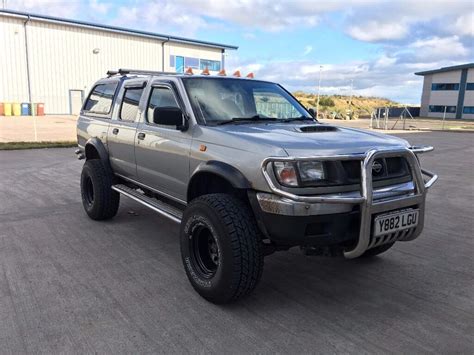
{"points": [[394, 222]]}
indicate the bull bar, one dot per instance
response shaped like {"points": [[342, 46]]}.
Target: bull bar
{"points": [[368, 207]]}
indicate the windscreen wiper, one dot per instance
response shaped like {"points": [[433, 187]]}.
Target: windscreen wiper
{"points": [[301, 118], [247, 119]]}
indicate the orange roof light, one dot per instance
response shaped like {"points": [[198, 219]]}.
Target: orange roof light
{"points": [[189, 71], [250, 75], [205, 71], [237, 73], [222, 72]]}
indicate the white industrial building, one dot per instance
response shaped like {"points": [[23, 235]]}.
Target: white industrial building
{"points": [[55, 61], [448, 92]]}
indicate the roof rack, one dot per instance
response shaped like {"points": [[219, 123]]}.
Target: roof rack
{"points": [[138, 72]]}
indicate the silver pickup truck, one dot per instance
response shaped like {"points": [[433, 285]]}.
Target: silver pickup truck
{"points": [[246, 170]]}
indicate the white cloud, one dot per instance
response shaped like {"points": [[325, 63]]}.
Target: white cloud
{"points": [[307, 50], [437, 48], [99, 7], [372, 31], [47, 7], [464, 25]]}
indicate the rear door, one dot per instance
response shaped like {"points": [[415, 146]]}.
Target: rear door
{"points": [[162, 152], [122, 129]]}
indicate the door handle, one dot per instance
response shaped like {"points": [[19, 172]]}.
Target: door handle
{"points": [[115, 131], [141, 136]]}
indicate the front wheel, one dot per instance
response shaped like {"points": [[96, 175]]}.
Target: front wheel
{"points": [[221, 248], [99, 200]]}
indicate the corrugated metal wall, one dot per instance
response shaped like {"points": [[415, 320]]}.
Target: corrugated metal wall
{"points": [[61, 59], [13, 77]]}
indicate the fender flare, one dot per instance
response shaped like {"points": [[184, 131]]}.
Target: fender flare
{"points": [[224, 170], [99, 147]]}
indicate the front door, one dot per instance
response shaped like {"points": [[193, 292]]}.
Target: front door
{"points": [[75, 101], [162, 152], [122, 129]]}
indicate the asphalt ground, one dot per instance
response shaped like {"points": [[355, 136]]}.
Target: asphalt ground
{"points": [[72, 285]]}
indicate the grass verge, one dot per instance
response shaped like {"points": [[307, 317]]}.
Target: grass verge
{"points": [[36, 145]]}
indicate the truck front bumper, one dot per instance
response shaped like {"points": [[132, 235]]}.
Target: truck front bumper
{"points": [[345, 217]]}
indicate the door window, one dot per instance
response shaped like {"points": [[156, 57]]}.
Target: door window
{"points": [[100, 99], [130, 102], [160, 97]]}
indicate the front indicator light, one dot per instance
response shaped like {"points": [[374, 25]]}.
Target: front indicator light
{"points": [[285, 173]]}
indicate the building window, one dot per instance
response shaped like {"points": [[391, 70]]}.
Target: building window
{"points": [[439, 108], [100, 99], [214, 65], [444, 86], [171, 60], [191, 62], [470, 86], [130, 101], [468, 109]]}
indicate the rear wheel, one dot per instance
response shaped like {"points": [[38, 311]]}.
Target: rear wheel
{"points": [[99, 200], [221, 248], [377, 250]]}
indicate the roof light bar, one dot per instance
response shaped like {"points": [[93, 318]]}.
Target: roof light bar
{"points": [[250, 76], [189, 71], [205, 71], [237, 74], [222, 73]]}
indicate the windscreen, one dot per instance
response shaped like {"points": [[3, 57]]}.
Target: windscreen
{"points": [[217, 100]]}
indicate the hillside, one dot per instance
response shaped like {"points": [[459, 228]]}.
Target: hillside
{"points": [[337, 105]]}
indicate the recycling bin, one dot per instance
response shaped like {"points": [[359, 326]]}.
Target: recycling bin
{"points": [[25, 109]]}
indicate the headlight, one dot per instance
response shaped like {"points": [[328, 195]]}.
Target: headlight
{"points": [[302, 173], [311, 171], [285, 173]]}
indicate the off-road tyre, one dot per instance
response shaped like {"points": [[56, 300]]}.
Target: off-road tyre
{"points": [[377, 250], [99, 200], [232, 265]]}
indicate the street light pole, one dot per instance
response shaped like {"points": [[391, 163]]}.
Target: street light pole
{"points": [[350, 99], [319, 89]]}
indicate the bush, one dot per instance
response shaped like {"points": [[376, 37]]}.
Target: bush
{"points": [[326, 101]]}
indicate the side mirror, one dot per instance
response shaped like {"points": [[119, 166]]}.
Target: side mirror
{"points": [[312, 112], [169, 116]]}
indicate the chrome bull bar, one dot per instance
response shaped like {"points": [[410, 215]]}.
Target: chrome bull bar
{"points": [[368, 207]]}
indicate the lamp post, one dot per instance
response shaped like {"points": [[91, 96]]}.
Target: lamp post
{"points": [[319, 89], [350, 99]]}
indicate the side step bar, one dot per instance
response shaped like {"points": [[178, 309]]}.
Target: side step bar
{"points": [[156, 205]]}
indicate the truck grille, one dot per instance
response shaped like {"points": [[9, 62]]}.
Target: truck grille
{"points": [[383, 169]]}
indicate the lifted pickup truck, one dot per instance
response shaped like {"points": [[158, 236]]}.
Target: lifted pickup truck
{"points": [[246, 170]]}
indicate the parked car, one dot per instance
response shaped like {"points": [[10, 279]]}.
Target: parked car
{"points": [[246, 170]]}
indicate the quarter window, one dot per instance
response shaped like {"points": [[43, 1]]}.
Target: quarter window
{"points": [[101, 98], [130, 102], [439, 108], [160, 97]]}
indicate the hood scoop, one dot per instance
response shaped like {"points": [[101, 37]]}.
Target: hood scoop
{"points": [[316, 129]]}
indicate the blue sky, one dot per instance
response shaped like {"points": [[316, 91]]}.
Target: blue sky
{"points": [[376, 45]]}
